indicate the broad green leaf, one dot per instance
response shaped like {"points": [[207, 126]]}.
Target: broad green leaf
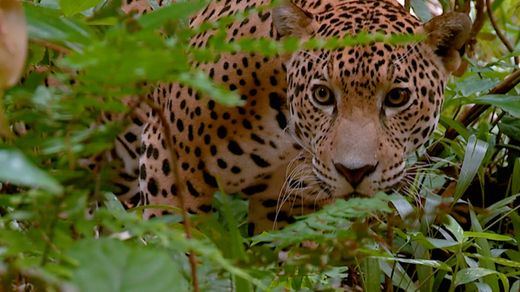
{"points": [[106, 62], [508, 103], [483, 287], [451, 123], [429, 263], [455, 229], [475, 152], [48, 25], [398, 275], [510, 126], [372, 272], [499, 208], [106, 14], [484, 249], [503, 203], [111, 265], [71, 7], [497, 260], [403, 207], [432, 243], [469, 275], [475, 84], [515, 221], [487, 235], [327, 223], [172, 12], [515, 177], [16, 169]]}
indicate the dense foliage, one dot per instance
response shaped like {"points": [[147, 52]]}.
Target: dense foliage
{"points": [[454, 226]]}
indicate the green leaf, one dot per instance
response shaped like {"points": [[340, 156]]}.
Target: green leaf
{"points": [[475, 152], [508, 103], [511, 127], [328, 222], [432, 243], [172, 12], [236, 241], [455, 229], [429, 263], [515, 177], [16, 169], [48, 24], [399, 276], [487, 235], [469, 275], [403, 207], [451, 123], [111, 265], [71, 7], [497, 260], [484, 250], [474, 84], [106, 62], [372, 272]]}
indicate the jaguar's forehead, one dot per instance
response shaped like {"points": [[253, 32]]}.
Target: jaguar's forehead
{"points": [[363, 68], [352, 17]]}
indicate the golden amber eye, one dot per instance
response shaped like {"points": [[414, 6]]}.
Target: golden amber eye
{"points": [[323, 95], [397, 97]]}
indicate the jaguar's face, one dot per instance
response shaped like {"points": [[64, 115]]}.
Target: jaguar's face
{"points": [[359, 111]]}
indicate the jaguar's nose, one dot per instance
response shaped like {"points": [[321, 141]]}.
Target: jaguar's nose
{"points": [[355, 175]]}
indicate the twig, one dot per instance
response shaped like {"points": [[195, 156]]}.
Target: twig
{"points": [[407, 5], [500, 35], [49, 238], [51, 46], [473, 113], [173, 165], [477, 25], [389, 241]]}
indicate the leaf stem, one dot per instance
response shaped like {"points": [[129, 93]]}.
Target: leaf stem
{"points": [[173, 165], [4, 124]]}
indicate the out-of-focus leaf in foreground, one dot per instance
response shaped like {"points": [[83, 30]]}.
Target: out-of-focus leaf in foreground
{"points": [[16, 169]]}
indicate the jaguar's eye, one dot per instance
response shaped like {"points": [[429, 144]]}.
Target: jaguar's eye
{"points": [[323, 95], [397, 97]]}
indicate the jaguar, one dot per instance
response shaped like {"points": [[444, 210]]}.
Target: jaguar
{"points": [[316, 124]]}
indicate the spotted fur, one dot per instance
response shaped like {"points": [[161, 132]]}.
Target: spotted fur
{"points": [[316, 125]]}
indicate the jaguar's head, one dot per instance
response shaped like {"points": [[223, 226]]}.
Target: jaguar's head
{"points": [[359, 111]]}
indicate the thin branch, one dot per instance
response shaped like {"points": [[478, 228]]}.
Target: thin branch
{"points": [[51, 46], [407, 5], [49, 238], [478, 23], [500, 35], [473, 113], [173, 165]]}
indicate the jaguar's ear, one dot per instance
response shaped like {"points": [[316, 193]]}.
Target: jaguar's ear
{"points": [[289, 19], [447, 36]]}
